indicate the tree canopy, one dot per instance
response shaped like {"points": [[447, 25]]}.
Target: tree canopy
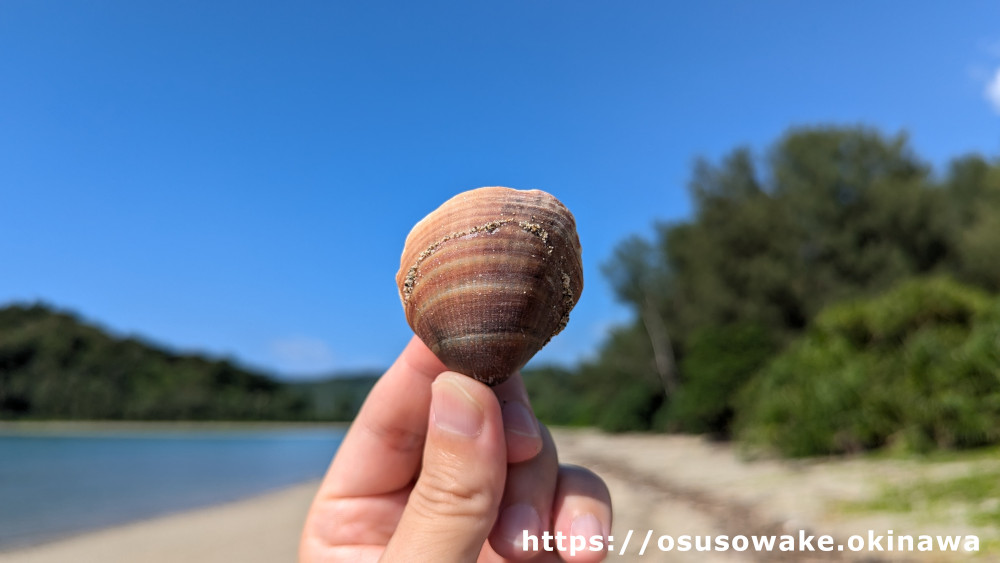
{"points": [[827, 215]]}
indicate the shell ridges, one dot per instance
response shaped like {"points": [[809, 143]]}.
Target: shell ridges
{"points": [[489, 277]]}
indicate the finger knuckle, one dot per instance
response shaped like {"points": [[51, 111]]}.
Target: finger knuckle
{"points": [[446, 492]]}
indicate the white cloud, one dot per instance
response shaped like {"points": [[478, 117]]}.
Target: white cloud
{"points": [[301, 354], [993, 91]]}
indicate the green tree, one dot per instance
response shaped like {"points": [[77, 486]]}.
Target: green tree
{"points": [[830, 214], [973, 191]]}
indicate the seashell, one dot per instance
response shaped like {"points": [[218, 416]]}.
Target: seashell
{"points": [[488, 278]]}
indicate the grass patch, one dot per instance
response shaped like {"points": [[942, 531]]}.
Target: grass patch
{"points": [[976, 493], [983, 454]]}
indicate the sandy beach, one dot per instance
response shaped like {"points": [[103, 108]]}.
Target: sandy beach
{"points": [[262, 528], [661, 485]]}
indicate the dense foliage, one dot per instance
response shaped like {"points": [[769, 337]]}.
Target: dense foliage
{"points": [[54, 366], [828, 215], [915, 368]]}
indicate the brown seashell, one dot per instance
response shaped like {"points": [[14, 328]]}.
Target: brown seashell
{"points": [[488, 278]]}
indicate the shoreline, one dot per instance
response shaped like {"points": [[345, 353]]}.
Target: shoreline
{"points": [[666, 484], [43, 427], [65, 536], [263, 527], [116, 475]]}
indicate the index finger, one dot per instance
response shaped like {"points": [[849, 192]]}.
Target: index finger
{"points": [[381, 452]]}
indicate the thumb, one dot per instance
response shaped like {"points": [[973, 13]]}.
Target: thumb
{"points": [[454, 502]]}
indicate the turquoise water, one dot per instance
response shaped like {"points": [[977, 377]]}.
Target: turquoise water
{"points": [[59, 483]]}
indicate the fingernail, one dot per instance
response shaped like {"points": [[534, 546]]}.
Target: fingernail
{"points": [[587, 526], [454, 409], [519, 420], [517, 521]]}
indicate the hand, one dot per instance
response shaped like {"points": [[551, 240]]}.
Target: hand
{"points": [[431, 461]]}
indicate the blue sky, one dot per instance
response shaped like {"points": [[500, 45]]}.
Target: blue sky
{"points": [[238, 178]]}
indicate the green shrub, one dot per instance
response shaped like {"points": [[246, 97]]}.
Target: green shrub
{"points": [[916, 368], [629, 409], [718, 363]]}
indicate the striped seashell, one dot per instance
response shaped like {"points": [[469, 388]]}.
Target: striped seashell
{"points": [[488, 278]]}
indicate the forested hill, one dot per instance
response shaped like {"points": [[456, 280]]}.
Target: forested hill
{"points": [[55, 366]]}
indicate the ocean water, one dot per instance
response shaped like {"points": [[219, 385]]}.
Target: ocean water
{"points": [[60, 482]]}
